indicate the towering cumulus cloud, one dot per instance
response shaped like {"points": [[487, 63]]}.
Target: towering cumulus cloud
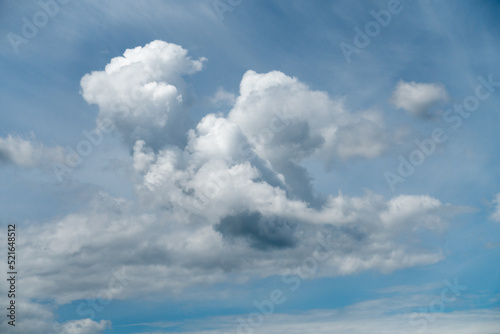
{"points": [[143, 93], [230, 195]]}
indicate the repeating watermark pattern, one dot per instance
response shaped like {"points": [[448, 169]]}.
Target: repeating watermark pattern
{"points": [[454, 117], [449, 294], [406, 167], [372, 29], [116, 285], [223, 6], [30, 27]]}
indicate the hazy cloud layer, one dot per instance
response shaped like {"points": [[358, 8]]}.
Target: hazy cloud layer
{"points": [[28, 153]]}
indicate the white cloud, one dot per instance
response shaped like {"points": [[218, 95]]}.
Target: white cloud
{"points": [[317, 322], [226, 199], [28, 153], [418, 98], [143, 94], [495, 216], [64, 258]]}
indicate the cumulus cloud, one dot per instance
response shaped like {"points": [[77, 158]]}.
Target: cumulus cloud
{"points": [[403, 309], [303, 121], [143, 94], [28, 153], [223, 97], [418, 98], [261, 232], [277, 117], [286, 122], [268, 235]]}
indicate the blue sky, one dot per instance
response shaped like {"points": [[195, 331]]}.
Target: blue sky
{"points": [[242, 140]]}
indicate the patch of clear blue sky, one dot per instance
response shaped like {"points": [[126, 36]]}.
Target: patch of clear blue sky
{"points": [[430, 41]]}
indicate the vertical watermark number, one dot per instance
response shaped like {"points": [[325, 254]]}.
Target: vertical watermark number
{"points": [[11, 273]]}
